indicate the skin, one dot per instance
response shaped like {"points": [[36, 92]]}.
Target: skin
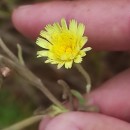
{"points": [[108, 28]]}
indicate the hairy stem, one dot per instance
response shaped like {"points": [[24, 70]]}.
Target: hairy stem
{"points": [[86, 76]]}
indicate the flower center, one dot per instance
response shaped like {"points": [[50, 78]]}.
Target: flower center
{"points": [[64, 46]]}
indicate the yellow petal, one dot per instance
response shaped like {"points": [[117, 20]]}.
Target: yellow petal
{"points": [[60, 65], [78, 59], [73, 26], [57, 27], [80, 29], [45, 35], [87, 49], [43, 43], [47, 61], [49, 28], [68, 64], [83, 41], [51, 61], [54, 62], [51, 55], [42, 53], [63, 24], [82, 53]]}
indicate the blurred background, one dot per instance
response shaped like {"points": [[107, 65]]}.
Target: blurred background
{"points": [[18, 100]]}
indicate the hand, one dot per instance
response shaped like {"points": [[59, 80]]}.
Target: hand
{"points": [[108, 28]]}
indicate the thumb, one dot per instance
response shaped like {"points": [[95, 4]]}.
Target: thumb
{"points": [[84, 121]]}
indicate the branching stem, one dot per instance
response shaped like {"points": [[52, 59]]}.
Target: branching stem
{"points": [[25, 73]]}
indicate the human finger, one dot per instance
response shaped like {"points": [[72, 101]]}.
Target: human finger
{"points": [[84, 121], [113, 96], [107, 22]]}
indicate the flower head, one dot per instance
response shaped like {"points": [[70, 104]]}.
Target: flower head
{"points": [[63, 44]]}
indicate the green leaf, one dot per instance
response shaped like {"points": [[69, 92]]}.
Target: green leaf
{"points": [[80, 98]]}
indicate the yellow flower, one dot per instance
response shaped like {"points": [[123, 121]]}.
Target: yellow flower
{"points": [[63, 45]]}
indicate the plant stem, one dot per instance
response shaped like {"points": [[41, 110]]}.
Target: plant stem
{"points": [[7, 51], [31, 78], [67, 92], [25, 73], [20, 57], [86, 76]]}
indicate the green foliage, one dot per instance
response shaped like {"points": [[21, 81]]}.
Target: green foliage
{"points": [[11, 109]]}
